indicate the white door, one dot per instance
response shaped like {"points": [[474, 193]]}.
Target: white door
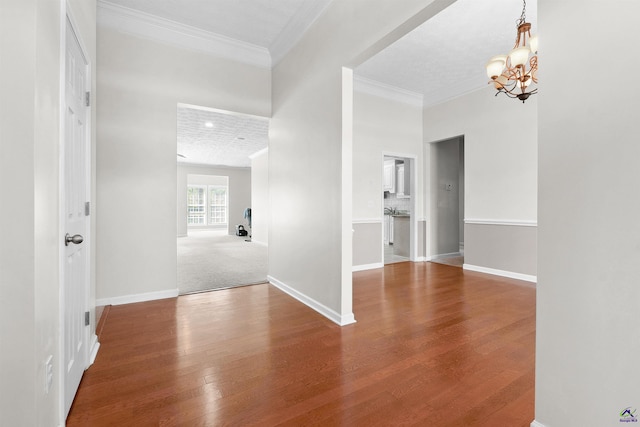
{"points": [[76, 220]]}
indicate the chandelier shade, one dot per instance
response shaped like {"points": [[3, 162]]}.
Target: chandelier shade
{"points": [[514, 73]]}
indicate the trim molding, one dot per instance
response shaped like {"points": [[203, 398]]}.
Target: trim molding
{"points": [[515, 222], [296, 29], [535, 423], [367, 221], [258, 242], [443, 256], [136, 23], [128, 299], [503, 273], [95, 346], [363, 267], [382, 90], [339, 319]]}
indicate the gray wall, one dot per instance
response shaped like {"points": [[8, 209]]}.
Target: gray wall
{"points": [[445, 193], [503, 247], [239, 181], [367, 238], [588, 346]]}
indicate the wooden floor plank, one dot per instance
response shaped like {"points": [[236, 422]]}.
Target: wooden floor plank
{"points": [[434, 345]]}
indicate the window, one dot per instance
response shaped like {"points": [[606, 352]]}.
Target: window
{"points": [[217, 205], [196, 205], [201, 213]]}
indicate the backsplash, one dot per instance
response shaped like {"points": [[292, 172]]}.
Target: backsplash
{"points": [[402, 204]]}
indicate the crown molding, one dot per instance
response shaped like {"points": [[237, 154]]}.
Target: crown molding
{"points": [[296, 28], [171, 33], [382, 90]]}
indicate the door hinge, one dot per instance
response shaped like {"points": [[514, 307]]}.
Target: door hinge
{"points": [[86, 318], [87, 208], [87, 99]]}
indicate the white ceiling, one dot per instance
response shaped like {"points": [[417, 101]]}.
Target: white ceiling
{"points": [[211, 137], [442, 59], [445, 57]]}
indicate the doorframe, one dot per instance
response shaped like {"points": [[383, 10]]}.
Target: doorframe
{"points": [[431, 210], [91, 345], [413, 218]]}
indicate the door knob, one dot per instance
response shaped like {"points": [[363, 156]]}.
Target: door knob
{"points": [[77, 239]]}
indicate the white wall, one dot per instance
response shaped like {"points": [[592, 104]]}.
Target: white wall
{"points": [[383, 126], [588, 345], [30, 85], [500, 167], [309, 154], [500, 136], [380, 126], [140, 83], [260, 197], [239, 195]]}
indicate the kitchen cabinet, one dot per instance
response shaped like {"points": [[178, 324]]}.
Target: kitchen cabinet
{"points": [[403, 181], [388, 230], [389, 176], [401, 242]]}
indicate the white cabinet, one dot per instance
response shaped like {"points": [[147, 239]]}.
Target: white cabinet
{"points": [[400, 181], [389, 176], [388, 230], [403, 181]]}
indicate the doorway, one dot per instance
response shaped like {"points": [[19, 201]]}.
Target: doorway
{"points": [[398, 208], [214, 248], [447, 201]]}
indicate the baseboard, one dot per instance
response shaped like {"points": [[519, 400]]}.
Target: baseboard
{"points": [[258, 242], [128, 299], [448, 255], [95, 346], [535, 423], [421, 259], [503, 273], [340, 319], [363, 267]]}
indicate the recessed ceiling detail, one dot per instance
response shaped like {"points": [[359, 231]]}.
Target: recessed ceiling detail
{"points": [[229, 141]]}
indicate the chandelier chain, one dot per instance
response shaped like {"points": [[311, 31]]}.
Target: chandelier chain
{"points": [[523, 18]]}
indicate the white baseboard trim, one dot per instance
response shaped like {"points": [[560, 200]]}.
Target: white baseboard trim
{"points": [[340, 319], [421, 259], [509, 222], [503, 273], [441, 256], [258, 242], [363, 267], [366, 221], [535, 423], [95, 346], [128, 299]]}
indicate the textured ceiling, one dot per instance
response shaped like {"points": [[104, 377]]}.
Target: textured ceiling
{"points": [[445, 57], [229, 141]]}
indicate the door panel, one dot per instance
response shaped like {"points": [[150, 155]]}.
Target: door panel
{"points": [[76, 176]]}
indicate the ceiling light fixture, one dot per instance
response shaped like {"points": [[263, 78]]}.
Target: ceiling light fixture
{"points": [[509, 73]]}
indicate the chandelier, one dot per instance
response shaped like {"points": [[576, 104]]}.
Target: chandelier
{"points": [[514, 73]]}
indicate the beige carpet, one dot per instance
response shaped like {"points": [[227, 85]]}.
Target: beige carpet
{"points": [[209, 260]]}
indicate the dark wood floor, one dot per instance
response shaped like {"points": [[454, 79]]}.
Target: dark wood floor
{"points": [[434, 345]]}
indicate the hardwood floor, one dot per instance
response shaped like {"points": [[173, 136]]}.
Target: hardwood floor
{"points": [[434, 345]]}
